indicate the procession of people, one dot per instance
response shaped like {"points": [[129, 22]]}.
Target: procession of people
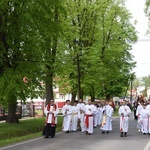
{"points": [[84, 117], [143, 116]]}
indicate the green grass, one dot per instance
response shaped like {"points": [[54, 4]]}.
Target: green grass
{"points": [[39, 112], [26, 129], [116, 112]]}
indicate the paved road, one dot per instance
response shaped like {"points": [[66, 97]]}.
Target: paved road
{"points": [[97, 141]]}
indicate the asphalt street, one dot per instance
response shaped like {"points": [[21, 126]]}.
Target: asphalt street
{"points": [[96, 141]]}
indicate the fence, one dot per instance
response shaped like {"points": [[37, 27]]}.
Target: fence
{"points": [[21, 111]]}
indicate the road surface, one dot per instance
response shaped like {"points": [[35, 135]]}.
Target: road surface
{"points": [[96, 141]]}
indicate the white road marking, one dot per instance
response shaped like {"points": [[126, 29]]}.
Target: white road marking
{"points": [[147, 146]]}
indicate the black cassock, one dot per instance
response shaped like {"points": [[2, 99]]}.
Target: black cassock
{"points": [[49, 130]]}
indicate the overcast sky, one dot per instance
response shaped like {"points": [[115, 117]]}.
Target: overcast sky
{"points": [[141, 49]]}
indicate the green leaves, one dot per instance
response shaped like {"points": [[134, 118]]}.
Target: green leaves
{"points": [[102, 36], [79, 42]]}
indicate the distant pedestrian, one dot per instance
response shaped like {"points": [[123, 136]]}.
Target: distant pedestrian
{"points": [[128, 104], [124, 112], [135, 105]]}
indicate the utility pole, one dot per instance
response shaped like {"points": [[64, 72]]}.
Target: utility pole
{"points": [[131, 91], [131, 87]]}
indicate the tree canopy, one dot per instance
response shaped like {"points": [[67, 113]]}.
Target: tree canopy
{"points": [[81, 46]]}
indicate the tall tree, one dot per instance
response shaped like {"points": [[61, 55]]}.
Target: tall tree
{"points": [[48, 23], [17, 56], [147, 6], [98, 46]]}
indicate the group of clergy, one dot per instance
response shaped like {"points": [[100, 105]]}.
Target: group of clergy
{"points": [[143, 115], [85, 117]]}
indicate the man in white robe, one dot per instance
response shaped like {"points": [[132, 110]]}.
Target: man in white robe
{"points": [[138, 113], [88, 119], [144, 120], [96, 115], [108, 112], [100, 114], [81, 107], [67, 112], [148, 110], [75, 117], [124, 112]]}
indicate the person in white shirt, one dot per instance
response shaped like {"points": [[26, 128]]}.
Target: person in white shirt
{"points": [[124, 112], [75, 117], [81, 107], [88, 119], [108, 112], [67, 112]]}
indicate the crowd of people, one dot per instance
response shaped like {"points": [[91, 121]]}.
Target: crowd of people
{"points": [[79, 116], [85, 117], [142, 115]]}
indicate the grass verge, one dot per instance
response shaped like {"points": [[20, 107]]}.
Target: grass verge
{"points": [[25, 130]]}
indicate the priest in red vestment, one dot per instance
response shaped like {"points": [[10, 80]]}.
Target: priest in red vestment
{"points": [[51, 112]]}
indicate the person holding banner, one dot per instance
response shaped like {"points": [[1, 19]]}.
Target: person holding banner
{"points": [[124, 112]]}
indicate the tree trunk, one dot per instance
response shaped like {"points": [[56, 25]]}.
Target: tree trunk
{"points": [[73, 97], [81, 96], [92, 94], [79, 78], [108, 97], [49, 89], [49, 81], [12, 118]]}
